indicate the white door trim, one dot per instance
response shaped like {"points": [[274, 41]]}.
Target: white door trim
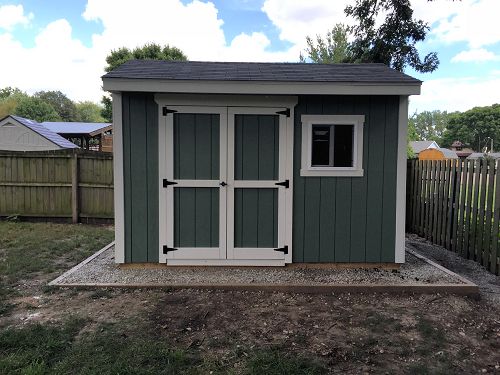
{"points": [[205, 103], [166, 200], [257, 253]]}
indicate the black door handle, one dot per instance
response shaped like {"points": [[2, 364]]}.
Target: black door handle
{"points": [[223, 184]]}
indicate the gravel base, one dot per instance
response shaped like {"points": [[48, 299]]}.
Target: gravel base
{"points": [[103, 270], [488, 283]]}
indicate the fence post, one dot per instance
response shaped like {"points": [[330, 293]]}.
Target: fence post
{"points": [[74, 188]]}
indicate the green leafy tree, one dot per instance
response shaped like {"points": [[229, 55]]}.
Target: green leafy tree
{"points": [[429, 125], [9, 92], [64, 106], [475, 127], [9, 99], [334, 48], [149, 51], [88, 111], [393, 42], [36, 109]]}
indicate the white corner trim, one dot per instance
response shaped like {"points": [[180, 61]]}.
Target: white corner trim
{"points": [[401, 181], [119, 198], [258, 87], [308, 121]]}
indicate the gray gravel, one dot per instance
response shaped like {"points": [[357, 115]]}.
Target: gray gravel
{"points": [[102, 269], [488, 283]]}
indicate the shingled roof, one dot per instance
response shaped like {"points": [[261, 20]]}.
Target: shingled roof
{"points": [[243, 71], [44, 132]]}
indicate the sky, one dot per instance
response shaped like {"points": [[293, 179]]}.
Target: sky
{"points": [[62, 44]]}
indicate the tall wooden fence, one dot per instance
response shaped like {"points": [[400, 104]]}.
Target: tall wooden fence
{"points": [[456, 204], [71, 184]]}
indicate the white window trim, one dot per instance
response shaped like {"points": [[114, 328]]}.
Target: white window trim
{"points": [[308, 121]]}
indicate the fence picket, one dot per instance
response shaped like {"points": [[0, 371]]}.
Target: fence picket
{"points": [[456, 204], [39, 184]]}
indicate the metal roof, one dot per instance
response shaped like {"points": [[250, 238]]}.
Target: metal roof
{"points": [[244, 71], [75, 127], [44, 132]]}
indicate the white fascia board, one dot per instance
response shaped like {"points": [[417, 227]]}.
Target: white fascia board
{"points": [[260, 88]]}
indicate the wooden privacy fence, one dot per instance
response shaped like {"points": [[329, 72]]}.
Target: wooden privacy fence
{"points": [[456, 204], [72, 184]]}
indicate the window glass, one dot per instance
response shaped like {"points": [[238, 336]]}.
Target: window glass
{"points": [[332, 145], [320, 146], [343, 146]]}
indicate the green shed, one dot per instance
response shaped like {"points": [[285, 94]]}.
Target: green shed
{"points": [[222, 163]]}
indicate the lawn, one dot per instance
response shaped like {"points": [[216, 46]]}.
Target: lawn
{"points": [[109, 331]]}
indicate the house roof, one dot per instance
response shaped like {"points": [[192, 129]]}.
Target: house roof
{"points": [[448, 154], [89, 128], [479, 155], [245, 71], [44, 132], [418, 146]]}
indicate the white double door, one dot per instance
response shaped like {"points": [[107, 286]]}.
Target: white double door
{"points": [[224, 185]]}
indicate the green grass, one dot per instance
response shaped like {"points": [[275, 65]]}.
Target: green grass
{"points": [[65, 349], [40, 248]]}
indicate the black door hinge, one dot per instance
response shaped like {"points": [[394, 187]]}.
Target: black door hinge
{"points": [[166, 249], [286, 112], [283, 249], [285, 183], [166, 111], [167, 182]]}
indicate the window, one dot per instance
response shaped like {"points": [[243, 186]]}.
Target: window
{"points": [[332, 145]]}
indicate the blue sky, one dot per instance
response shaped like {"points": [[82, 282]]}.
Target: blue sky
{"points": [[56, 44]]}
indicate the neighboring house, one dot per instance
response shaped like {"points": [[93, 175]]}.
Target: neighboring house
{"points": [[418, 146], [259, 164], [88, 135], [20, 134], [437, 154], [462, 151], [481, 155]]}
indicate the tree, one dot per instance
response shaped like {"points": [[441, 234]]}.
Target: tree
{"points": [[8, 92], [393, 42], [9, 99], [334, 48], [149, 51], [36, 109], [64, 106], [475, 127], [88, 112], [429, 125]]}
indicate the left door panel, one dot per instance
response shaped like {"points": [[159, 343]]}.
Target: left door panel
{"points": [[194, 197]]}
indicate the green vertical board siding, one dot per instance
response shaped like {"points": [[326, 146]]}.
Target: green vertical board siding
{"points": [[256, 147], [140, 174], [389, 181], [196, 217], [256, 220], [196, 146], [349, 219]]}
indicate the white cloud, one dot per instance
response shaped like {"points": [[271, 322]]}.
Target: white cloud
{"points": [[457, 94], [475, 55], [471, 21], [298, 19], [13, 15]]}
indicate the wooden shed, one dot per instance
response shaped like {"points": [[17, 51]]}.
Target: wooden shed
{"points": [[259, 163], [437, 154]]}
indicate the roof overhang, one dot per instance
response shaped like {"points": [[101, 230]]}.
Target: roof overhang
{"points": [[259, 87]]}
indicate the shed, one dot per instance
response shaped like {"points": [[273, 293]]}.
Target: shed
{"points": [[89, 135], [419, 146], [222, 163], [21, 134], [437, 154]]}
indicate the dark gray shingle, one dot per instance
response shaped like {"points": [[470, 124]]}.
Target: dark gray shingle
{"points": [[241, 71]]}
